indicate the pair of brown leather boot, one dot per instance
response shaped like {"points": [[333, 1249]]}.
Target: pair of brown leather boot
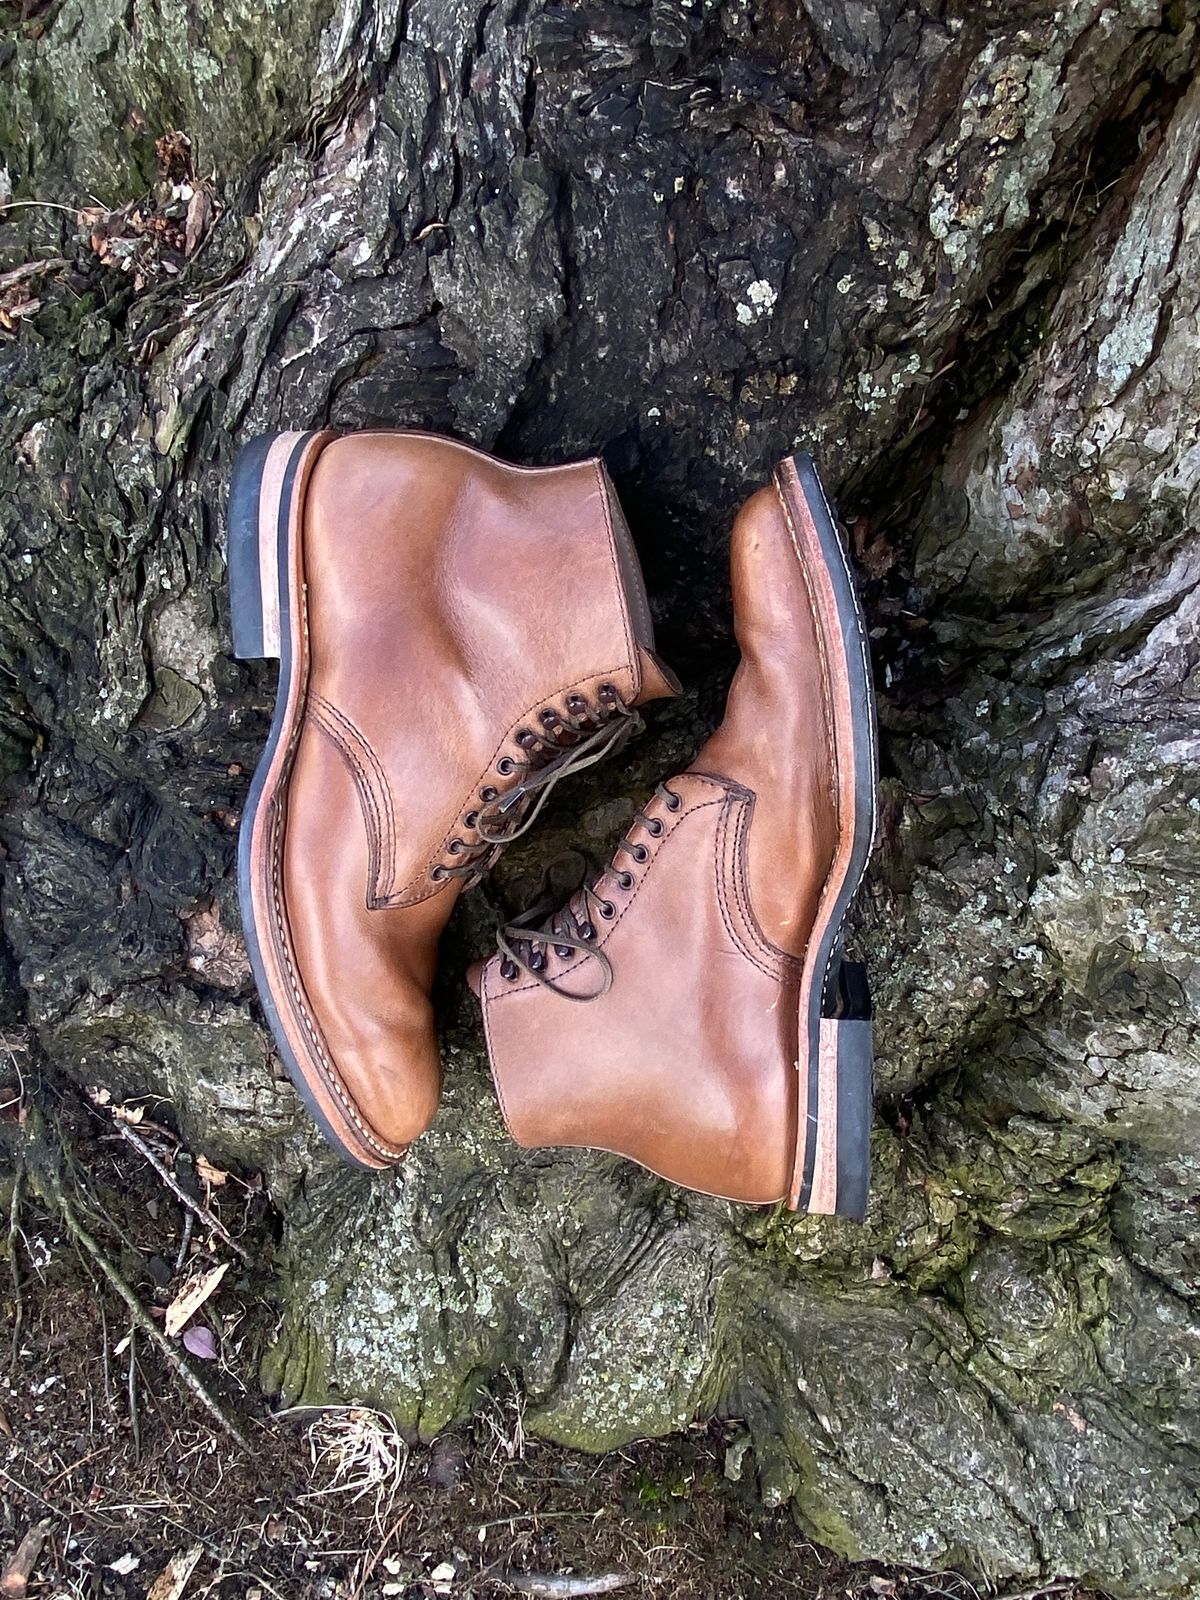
{"points": [[455, 636]]}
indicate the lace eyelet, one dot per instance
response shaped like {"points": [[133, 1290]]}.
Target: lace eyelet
{"points": [[657, 827], [640, 853], [456, 847], [608, 691], [625, 879], [506, 766], [563, 952], [576, 704], [588, 932], [508, 970], [488, 794], [549, 718], [537, 961], [439, 873], [526, 737], [607, 910], [471, 818], [674, 801]]}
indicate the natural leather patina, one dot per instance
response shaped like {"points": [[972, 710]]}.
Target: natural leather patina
{"points": [[690, 958], [462, 631]]}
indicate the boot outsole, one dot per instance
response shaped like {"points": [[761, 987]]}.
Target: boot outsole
{"points": [[832, 1172], [261, 495]]}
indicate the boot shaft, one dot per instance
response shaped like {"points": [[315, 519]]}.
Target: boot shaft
{"points": [[464, 615]]}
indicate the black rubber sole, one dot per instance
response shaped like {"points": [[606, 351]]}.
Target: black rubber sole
{"points": [[246, 608], [245, 578], [842, 991]]}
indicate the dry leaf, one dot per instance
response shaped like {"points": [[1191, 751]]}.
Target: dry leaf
{"points": [[198, 1341], [210, 1174], [199, 219], [1071, 1415], [191, 1297], [125, 1564], [217, 952], [172, 1580], [174, 152], [131, 1114]]}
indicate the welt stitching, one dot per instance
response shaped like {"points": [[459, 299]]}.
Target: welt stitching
{"points": [[324, 1061], [366, 796], [826, 708], [383, 795], [309, 1024], [690, 811], [825, 705], [400, 895], [738, 941]]}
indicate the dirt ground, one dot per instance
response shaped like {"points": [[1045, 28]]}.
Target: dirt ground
{"points": [[120, 1479]]}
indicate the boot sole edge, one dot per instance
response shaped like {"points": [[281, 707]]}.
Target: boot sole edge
{"points": [[832, 1169], [262, 519]]}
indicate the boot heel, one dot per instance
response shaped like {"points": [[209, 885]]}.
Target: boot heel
{"points": [[260, 492]]}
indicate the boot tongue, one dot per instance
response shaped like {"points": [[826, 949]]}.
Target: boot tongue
{"points": [[658, 682], [475, 978]]}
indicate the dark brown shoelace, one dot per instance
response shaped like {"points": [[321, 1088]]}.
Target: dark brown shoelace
{"points": [[564, 745], [524, 942]]}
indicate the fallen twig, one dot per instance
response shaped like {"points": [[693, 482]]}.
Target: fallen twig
{"points": [[30, 269], [184, 1242], [142, 1318], [549, 1586], [135, 1425], [379, 1554], [168, 1177], [15, 1580], [1059, 1586], [14, 1228]]}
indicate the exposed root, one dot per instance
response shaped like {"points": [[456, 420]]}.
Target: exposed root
{"points": [[361, 1450]]}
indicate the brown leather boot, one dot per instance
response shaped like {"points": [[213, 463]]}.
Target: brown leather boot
{"points": [[691, 1009], [455, 635]]}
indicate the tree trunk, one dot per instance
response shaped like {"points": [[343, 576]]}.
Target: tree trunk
{"points": [[953, 249]]}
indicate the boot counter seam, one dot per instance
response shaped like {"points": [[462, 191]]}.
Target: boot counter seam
{"points": [[614, 562]]}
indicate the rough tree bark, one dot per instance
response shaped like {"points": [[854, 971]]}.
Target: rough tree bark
{"points": [[955, 250]]}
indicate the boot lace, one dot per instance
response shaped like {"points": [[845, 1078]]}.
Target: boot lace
{"points": [[525, 942], [557, 745]]}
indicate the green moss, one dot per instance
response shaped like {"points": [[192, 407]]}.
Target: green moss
{"points": [[87, 97]]}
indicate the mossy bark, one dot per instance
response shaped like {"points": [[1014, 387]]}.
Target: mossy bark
{"points": [[953, 250]]}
